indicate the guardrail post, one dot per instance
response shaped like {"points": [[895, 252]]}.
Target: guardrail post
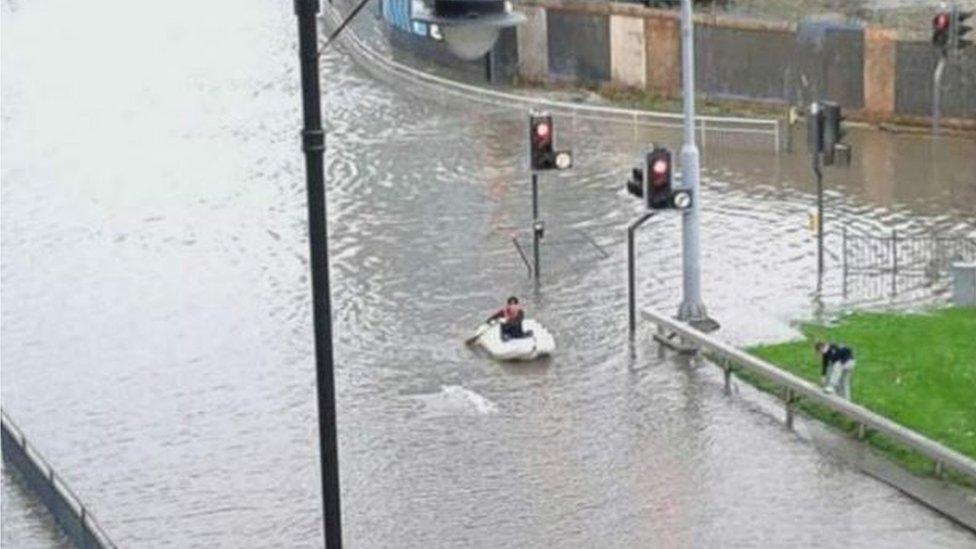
{"points": [[843, 236], [894, 262], [789, 409], [727, 374], [939, 471], [861, 431]]}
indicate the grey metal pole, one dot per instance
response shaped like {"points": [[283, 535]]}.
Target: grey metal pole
{"points": [[844, 248], [535, 220], [313, 143], [937, 94], [691, 308], [631, 268], [820, 220]]}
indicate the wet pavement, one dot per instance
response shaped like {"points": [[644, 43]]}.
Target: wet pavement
{"points": [[156, 317]]}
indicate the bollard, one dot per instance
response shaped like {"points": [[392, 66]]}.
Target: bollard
{"points": [[660, 346], [727, 370]]}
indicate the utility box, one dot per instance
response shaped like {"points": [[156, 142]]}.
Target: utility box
{"points": [[964, 284]]}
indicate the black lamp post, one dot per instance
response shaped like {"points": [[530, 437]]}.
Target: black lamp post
{"points": [[313, 144]]}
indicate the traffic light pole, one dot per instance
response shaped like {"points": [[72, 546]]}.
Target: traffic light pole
{"points": [[313, 144], [691, 310], [818, 172], [937, 93], [631, 268], [535, 226]]}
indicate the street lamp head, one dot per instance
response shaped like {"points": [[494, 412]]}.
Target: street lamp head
{"points": [[470, 27]]}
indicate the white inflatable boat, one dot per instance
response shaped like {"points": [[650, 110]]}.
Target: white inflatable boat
{"points": [[539, 344]]}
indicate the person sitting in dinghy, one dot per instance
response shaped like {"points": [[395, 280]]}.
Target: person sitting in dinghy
{"points": [[512, 316]]}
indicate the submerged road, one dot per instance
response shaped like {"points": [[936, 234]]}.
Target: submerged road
{"points": [[156, 318]]}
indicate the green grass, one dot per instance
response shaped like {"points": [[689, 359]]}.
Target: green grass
{"points": [[918, 370]]}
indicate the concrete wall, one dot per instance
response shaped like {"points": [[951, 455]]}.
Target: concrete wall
{"points": [[870, 71], [578, 46], [744, 63], [533, 46], [843, 72], [879, 71], [663, 40], [915, 63], [628, 54]]}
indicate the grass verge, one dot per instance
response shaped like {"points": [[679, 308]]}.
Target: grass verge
{"points": [[918, 370]]}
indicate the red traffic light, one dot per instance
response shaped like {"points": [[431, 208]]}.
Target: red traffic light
{"points": [[541, 155], [941, 24], [658, 166], [660, 171]]}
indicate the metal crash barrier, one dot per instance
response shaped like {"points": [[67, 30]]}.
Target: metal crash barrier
{"points": [[728, 357], [71, 515]]}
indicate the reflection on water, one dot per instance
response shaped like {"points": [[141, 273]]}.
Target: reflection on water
{"points": [[156, 320]]}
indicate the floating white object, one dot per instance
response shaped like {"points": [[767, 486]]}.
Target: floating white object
{"points": [[539, 344]]}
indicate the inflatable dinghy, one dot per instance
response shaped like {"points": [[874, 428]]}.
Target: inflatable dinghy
{"points": [[539, 344]]}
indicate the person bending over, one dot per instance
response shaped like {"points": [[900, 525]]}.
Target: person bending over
{"points": [[836, 369]]}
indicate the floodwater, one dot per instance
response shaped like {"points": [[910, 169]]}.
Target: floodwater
{"points": [[156, 317]]}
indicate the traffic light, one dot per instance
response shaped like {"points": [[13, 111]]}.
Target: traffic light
{"points": [[815, 132], [635, 185], [541, 153], [652, 180], [658, 174], [833, 132], [825, 132], [941, 24], [960, 29], [540, 141]]}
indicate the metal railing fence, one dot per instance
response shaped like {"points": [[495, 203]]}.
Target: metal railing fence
{"points": [[727, 357], [902, 255]]}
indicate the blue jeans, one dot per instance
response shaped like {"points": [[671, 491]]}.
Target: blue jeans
{"points": [[839, 378]]}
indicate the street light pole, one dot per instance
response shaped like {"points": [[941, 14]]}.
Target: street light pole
{"points": [[313, 144], [691, 309]]}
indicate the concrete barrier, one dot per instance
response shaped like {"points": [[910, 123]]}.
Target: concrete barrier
{"points": [[68, 511]]}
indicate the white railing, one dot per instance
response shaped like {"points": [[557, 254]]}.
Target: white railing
{"points": [[658, 119], [727, 357]]}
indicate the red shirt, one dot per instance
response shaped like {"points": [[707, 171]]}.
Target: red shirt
{"points": [[509, 312]]}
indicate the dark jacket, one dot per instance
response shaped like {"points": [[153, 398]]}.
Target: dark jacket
{"points": [[835, 354]]}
